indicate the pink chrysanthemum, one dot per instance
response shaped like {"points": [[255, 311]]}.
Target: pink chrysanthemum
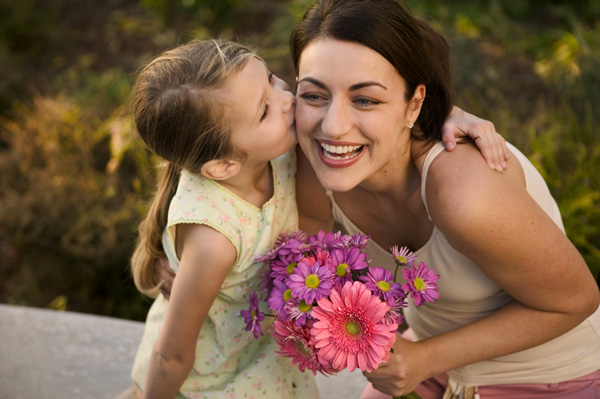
{"points": [[349, 331], [420, 282], [294, 342], [394, 314], [403, 256]]}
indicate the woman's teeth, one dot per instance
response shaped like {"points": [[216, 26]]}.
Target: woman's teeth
{"points": [[340, 151]]}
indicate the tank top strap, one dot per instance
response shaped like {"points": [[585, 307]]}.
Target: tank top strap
{"points": [[431, 155]]}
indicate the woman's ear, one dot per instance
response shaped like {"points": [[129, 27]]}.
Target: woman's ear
{"points": [[415, 104], [221, 169]]}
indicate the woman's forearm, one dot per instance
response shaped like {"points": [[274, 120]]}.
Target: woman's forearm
{"points": [[511, 329]]}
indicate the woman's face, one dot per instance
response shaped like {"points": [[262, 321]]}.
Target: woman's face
{"points": [[351, 113]]}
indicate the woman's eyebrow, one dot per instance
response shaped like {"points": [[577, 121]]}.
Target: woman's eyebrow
{"points": [[356, 86]]}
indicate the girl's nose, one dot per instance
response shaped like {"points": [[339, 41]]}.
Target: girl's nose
{"points": [[288, 101]]}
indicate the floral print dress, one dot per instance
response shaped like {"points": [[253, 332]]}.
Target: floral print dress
{"points": [[230, 363]]}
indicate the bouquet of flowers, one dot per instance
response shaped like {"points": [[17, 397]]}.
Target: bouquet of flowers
{"points": [[332, 310]]}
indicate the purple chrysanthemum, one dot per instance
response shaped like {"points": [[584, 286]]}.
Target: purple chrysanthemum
{"points": [[345, 261], [279, 297], [403, 256], [381, 282], [253, 316], [310, 283], [420, 282]]}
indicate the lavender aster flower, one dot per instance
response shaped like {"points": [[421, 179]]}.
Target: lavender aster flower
{"points": [[345, 262], [279, 297], [253, 316], [420, 282], [403, 256], [394, 314], [357, 241], [299, 311], [327, 241], [381, 282], [310, 283]]}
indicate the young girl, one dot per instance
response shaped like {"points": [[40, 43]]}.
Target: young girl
{"points": [[225, 125]]}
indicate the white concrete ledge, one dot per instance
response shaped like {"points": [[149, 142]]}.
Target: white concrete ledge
{"points": [[46, 354]]}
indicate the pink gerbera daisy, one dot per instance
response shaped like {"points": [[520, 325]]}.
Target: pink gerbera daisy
{"points": [[420, 282], [349, 331], [294, 342]]}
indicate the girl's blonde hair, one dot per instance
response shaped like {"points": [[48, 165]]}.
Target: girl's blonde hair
{"points": [[179, 115]]}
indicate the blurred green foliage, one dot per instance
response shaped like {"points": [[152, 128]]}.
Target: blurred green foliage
{"points": [[74, 180]]}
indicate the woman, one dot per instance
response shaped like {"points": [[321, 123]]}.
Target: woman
{"points": [[518, 315]]}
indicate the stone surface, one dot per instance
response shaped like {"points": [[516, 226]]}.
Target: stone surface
{"points": [[46, 354]]}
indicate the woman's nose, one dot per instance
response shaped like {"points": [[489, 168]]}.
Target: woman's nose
{"points": [[336, 120]]}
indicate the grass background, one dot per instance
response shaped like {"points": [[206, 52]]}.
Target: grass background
{"points": [[74, 181]]}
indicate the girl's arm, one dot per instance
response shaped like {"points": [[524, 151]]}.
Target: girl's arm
{"points": [[491, 144], [206, 257], [492, 219]]}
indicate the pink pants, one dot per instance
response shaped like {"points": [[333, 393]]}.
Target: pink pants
{"points": [[586, 387]]}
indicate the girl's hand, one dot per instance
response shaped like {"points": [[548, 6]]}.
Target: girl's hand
{"points": [[164, 274], [404, 370], [491, 144]]}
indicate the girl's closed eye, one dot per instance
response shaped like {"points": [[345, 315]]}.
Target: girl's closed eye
{"points": [[265, 113]]}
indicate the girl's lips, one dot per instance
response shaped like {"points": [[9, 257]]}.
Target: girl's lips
{"points": [[339, 155]]}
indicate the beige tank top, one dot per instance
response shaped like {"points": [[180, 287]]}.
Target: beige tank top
{"points": [[466, 295]]}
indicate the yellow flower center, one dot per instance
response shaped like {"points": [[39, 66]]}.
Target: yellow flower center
{"points": [[341, 269], [312, 281], [287, 295], [252, 314], [290, 267], [352, 328], [383, 286], [401, 259], [304, 307], [419, 284]]}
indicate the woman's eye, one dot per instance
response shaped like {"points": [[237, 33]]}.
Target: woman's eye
{"points": [[365, 102], [265, 113], [311, 97], [271, 77]]}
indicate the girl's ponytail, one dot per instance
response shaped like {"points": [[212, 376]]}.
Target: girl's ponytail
{"points": [[149, 245]]}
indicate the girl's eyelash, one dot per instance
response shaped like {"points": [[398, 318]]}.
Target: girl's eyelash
{"points": [[265, 113], [270, 76]]}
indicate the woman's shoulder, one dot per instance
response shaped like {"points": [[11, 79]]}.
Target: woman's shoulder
{"points": [[460, 183]]}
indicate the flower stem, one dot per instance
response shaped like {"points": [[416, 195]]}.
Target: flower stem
{"points": [[412, 395]]}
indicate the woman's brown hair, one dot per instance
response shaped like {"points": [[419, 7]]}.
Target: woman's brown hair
{"points": [[179, 116], [419, 54]]}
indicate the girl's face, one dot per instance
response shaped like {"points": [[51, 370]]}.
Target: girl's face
{"points": [[262, 113], [351, 113]]}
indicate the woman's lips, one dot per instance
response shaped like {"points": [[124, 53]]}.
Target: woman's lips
{"points": [[339, 155]]}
